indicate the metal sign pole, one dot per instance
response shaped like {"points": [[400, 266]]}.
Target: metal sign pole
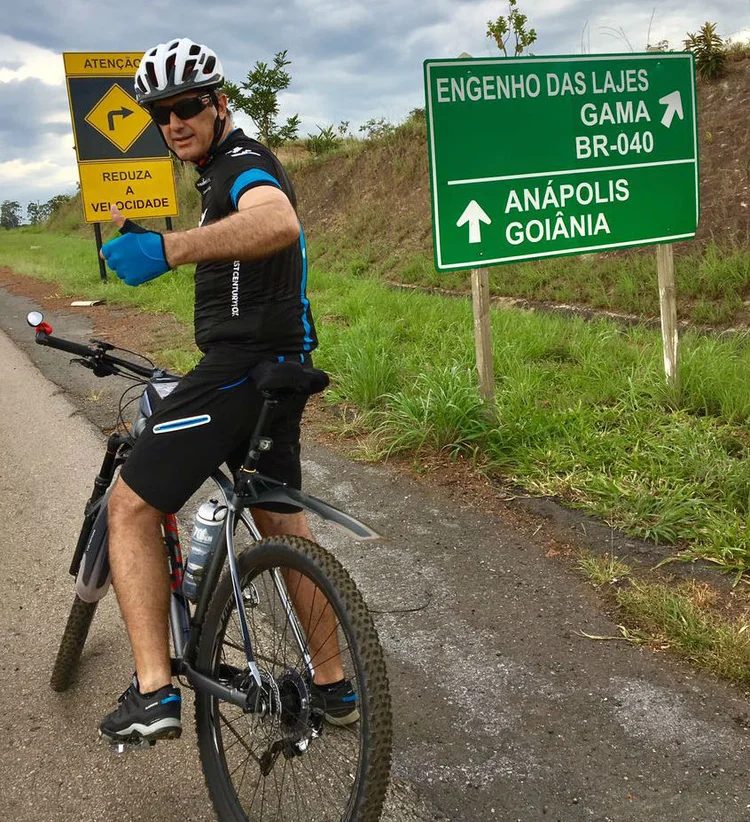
{"points": [[102, 267]]}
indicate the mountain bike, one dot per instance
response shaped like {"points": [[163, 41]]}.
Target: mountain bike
{"points": [[242, 644]]}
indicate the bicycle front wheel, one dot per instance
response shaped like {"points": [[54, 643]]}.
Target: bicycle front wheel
{"points": [[287, 760]]}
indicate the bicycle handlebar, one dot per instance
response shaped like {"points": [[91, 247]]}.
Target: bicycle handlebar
{"points": [[102, 363]]}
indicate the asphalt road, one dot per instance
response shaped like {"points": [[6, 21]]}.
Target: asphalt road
{"points": [[502, 709]]}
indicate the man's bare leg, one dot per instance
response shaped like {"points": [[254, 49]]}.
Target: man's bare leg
{"points": [[140, 576], [311, 606]]}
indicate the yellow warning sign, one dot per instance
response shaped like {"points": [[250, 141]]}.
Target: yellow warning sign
{"points": [[119, 118], [139, 188]]}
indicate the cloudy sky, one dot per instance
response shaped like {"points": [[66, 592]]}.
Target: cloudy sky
{"points": [[352, 60]]}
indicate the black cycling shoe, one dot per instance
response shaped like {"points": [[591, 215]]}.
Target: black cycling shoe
{"points": [[146, 717], [339, 702]]}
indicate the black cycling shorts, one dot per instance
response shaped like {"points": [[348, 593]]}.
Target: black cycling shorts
{"points": [[206, 421]]}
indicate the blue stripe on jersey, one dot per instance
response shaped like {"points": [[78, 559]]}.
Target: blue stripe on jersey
{"points": [[303, 293], [252, 175]]}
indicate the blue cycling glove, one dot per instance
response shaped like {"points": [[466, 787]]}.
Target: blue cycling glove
{"points": [[138, 255]]}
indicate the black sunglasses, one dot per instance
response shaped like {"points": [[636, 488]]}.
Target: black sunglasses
{"points": [[185, 109]]}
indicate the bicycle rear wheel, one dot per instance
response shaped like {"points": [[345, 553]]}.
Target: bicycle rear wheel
{"points": [[71, 644], [288, 763]]}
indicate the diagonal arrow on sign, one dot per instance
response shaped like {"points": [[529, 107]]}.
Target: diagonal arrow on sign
{"points": [[473, 215], [673, 102]]}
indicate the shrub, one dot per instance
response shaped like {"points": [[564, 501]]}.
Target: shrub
{"points": [[324, 142], [709, 50], [378, 129]]}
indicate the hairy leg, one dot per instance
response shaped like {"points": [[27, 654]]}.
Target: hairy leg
{"points": [[140, 576], [313, 610]]}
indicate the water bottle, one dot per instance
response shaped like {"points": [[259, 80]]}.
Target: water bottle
{"points": [[207, 529]]}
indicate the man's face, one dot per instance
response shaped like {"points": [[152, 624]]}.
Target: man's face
{"points": [[191, 138]]}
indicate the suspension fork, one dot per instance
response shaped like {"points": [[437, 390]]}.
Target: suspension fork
{"points": [[179, 611], [101, 483]]}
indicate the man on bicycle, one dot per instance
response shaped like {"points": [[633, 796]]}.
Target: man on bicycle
{"points": [[250, 306]]}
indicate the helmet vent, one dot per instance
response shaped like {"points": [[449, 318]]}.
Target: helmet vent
{"points": [[210, 64], [195, 49], [170, 65], [151, 74]]}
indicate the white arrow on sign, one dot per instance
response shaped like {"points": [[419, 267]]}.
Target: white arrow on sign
{"points": [[673, 102], [473, 215]]}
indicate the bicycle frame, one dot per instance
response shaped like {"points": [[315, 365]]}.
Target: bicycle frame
{"points": [[272, 491]]}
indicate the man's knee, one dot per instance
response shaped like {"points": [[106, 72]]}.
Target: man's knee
{"points": [[125, 506]]}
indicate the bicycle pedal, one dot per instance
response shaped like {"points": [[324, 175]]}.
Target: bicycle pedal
{"points": [[126, 746]]}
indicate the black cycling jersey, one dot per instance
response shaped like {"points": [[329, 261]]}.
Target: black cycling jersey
{"points": [[260, 306]]}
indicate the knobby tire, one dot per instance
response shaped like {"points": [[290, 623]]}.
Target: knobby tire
{"points": [[71, 644]]}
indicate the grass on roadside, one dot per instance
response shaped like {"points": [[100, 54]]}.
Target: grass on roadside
{"points": [[685, 619], [603, 570]]}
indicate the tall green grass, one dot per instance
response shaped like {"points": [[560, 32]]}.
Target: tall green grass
{"points": [[582, 409], [711, 282]]}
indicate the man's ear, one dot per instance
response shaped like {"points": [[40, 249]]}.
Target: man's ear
{"points": [[222, 102]]}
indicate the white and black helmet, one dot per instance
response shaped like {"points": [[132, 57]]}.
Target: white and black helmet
{"points": [[174, 67]]}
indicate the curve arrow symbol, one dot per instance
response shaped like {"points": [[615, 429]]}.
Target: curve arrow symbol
{"points": [[123, 112], [673, 102], [473, 215]]}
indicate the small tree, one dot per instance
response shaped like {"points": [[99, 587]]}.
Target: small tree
{"points": [[258, 97], [51, 206], [10, 214], [513, 25], [709, 50]]}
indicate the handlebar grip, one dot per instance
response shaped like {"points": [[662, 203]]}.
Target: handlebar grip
{"points": [[79, 350]]}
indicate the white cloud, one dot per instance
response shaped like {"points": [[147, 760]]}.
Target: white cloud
{"points": [[332, 15], [23, 61]]}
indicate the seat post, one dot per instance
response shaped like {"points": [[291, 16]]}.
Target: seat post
{"points": [[258, 443]]}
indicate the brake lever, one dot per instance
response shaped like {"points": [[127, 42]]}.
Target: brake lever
{"points": [[100, 368]]}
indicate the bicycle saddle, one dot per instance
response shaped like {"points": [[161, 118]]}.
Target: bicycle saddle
{"points": [[288, 377]]}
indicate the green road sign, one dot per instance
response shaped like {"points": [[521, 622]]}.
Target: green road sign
{"points": [[536, 157]]}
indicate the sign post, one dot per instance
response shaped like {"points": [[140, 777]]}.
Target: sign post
{"points": [[122, 159], [538, 157], [668, 311], [480, 292]]}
